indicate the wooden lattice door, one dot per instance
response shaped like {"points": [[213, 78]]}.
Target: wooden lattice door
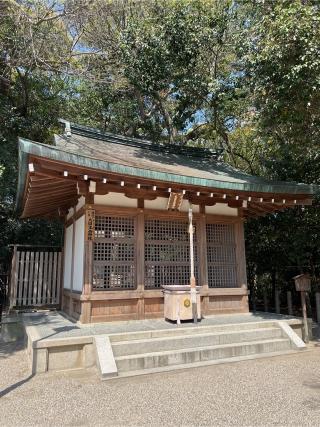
{"points": [[114, 260], [221, 256], [167, 253]]}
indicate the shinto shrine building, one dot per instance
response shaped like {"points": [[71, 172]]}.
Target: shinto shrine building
{"points": [[125, 202]]}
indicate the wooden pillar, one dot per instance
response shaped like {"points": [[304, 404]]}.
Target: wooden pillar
{"points": [[253, 299], [318, 306], [62, 297], [140, 262], [289, 302], [277, 301], [265, 300], [241, 261], [72, 260], [240, 255], [202, 257], [88, 264], [60, 276], [305, 318], [13, 278]]}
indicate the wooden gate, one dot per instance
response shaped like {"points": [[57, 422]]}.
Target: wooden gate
{"points": [[35, 276]]}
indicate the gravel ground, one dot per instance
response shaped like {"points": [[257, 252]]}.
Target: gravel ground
{"points": [[282, 391]]}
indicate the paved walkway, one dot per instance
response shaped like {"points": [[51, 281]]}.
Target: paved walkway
{"points": [[280, 391], [52, 325]]}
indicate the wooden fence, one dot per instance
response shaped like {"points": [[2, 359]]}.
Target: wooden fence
{"points": [[3, 289], [35, 276], [286, 302]]}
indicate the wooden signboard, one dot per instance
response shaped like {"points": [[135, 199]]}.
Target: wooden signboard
{"points": [[90, 224], [302, 282], [175, 201]]}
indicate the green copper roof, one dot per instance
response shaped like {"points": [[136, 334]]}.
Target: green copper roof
{"points": [[89, 148]]}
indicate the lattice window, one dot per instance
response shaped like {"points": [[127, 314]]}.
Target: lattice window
{"points": [[220, 234], [167, 260], [114, 253], [221, 256], [156, 229], [114, 227]]}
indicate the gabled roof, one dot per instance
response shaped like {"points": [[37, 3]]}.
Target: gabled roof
{"points": [[92, 149]]}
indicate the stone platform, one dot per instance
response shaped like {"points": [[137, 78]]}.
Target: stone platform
{"points": [[144, 346]]}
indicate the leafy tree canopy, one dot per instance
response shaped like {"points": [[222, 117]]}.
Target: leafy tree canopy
{"points": [[241, 75]]}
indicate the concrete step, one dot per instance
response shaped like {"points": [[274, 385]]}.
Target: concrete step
{"points": [[203, 364], [185, 329], [176, 342], [138, 362]]}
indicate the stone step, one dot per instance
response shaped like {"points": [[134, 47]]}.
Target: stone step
{"points": [[203, 364], [186, 356], [176, 342], [188, 329]]}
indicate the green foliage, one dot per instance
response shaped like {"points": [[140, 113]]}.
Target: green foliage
{"points": [[282, 59], [34, 116], [283, 63], [30, 104], [170, 70], [239, 75]]}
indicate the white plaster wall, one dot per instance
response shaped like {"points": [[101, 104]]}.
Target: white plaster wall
{"points": [[70, 213], [67, 257], [159, 203], [80, 203], [221, 209], [115, 199], [78, 254], [185, 207]]}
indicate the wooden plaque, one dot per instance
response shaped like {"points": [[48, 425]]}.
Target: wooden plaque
{"points": [[90, 224], [303, 282]]}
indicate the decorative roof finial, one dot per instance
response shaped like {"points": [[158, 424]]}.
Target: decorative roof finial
{"points": [[67, 127]]}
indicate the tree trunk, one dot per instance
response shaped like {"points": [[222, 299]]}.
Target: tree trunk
{"points": [[172, 132]]}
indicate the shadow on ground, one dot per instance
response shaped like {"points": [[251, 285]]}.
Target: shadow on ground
{"points": [[15, 385], [9, 348]]}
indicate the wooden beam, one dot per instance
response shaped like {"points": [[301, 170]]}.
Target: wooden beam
{"points": [[88, 263], [52, 201], [140, 263], [50, 196], [78, 171], [50, 190], [240, 255], [140, 203], [48, 177], [73, 248]]}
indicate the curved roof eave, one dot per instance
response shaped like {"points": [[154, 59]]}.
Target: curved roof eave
{"points": [[27, 147]]}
